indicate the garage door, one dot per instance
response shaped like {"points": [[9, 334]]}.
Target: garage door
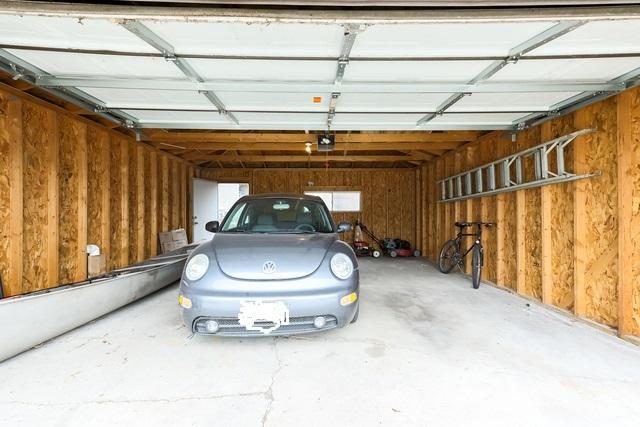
{"points": [[400, 72]]}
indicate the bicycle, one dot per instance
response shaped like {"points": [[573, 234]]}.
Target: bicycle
{"points": [[451, 254]]}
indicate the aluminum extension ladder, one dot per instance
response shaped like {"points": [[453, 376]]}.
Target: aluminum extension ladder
{"points": [[507, 174]]}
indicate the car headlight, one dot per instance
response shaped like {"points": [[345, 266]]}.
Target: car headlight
{"points": [[197, 267], [341, 266]]}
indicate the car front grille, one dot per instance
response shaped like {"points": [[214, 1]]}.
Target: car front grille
{"points": [[231, 326]]}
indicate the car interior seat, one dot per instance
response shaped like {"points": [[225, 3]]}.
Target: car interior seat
{"points": [[264, 223]]}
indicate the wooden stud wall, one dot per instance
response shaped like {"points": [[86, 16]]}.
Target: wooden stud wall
{"points": [[575, 245], [11, 187], [388, 204], [72, 199], [628, 153], [65, 182], [98, 196]]}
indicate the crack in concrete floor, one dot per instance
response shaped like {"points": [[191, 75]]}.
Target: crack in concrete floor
{"points": [[119, 401], [269, 393]]}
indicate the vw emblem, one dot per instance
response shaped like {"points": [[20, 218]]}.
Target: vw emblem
{"points": [[269, 267]]}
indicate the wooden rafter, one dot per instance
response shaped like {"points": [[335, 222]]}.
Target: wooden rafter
{"points": [[435, 147], [158, 135], [303, 158]]}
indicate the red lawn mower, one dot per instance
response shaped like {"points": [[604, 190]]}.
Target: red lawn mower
{"points": [[361, 246], [392, 247]]}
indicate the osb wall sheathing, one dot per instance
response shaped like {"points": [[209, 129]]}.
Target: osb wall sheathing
{"points": [[600, 232], [388, 196], [98, 196], [72, 198], [575, 245], [163, 196], [506, 230], [65, 182], [174, 196], [10, 191], [629, 212], [150, 204], [119, 206], [5, 179], [133, 196], [557, 220], [40, 203], [532, 285]]}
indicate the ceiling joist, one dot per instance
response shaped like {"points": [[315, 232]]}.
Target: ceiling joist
{"points": [[295, 146], [314, 158], [157, 135]]}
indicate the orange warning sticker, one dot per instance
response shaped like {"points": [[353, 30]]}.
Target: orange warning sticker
{"points": [[317, 99]]}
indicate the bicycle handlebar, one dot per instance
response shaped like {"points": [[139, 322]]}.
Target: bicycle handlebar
{"points": [[463, 224]]}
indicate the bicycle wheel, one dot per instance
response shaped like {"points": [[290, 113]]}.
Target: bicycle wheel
{"points": [[449, 256], [476, 266]]}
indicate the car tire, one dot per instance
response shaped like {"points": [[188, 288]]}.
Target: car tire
{"points": [[355, 318]]}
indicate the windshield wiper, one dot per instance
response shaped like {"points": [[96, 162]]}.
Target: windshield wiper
{"points": [[292, 232]]}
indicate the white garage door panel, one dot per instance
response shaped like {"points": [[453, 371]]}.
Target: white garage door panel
{"points": [[275, 101], [586, 70], [236, 69], [274, 39], [477, 119], [414, 71], [376, 119], [407, 102], [68, 33], [150, 116], [140, 98], [596, 37], [389, 64], [319, 121], [530, 101], [73, 64], [469, 39]]}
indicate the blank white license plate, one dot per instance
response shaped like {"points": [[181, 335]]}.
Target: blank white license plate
{"points": [[254, 314]]}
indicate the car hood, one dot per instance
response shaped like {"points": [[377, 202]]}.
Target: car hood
{"points": [[243, 256]]}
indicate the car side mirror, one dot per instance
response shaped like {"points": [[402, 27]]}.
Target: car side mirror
{"points": [[212, 226], [343, 227]]}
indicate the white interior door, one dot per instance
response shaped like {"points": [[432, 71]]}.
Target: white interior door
{"points": [[205, 207]]}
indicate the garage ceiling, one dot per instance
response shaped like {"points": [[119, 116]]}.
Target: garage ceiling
{"points": [[228, 87], [243, 73]]}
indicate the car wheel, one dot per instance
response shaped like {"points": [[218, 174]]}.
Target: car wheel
{"points": [[376, 254], [355, 318]]}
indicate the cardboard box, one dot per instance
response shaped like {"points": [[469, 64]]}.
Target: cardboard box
{"points": [[165, 236], [180, 243], [168, 246], [179, 234], [172, 240], [96, 265]]}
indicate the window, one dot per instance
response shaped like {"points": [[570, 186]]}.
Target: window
{"points": [[339, 201]]}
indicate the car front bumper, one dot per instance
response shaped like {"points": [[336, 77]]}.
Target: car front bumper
{"points": [[304, 306]]}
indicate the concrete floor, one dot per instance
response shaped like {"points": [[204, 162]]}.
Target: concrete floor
{"points": [[427, 350]]}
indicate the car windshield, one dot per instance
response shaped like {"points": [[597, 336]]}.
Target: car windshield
{"points": [[278, 215]]}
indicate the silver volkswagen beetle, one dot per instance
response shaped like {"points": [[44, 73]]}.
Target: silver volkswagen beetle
{"points": [[274, 266]]}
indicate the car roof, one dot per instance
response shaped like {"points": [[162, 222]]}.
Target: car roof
{"points": [[282, 196]]}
